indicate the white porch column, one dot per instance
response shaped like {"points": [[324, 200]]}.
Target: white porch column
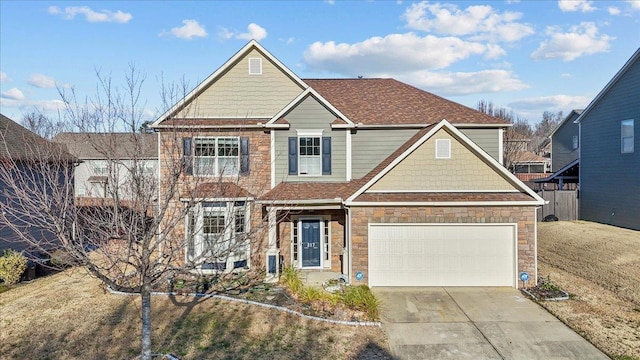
{"points": [[273, 253]]}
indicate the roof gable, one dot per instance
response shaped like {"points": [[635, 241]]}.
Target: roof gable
{"points": [[573, 115], [341, 119], [420, 138], [632, 61], [421, 170], [233, 92]]}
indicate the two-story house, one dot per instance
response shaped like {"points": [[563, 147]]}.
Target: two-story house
{"points": [[609, 151], [108, 160], [382, 182]]}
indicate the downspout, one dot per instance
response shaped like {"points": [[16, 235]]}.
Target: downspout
{"points": [[346, 266]]}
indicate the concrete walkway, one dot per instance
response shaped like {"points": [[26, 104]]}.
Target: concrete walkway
{"points": [[475, 323]]}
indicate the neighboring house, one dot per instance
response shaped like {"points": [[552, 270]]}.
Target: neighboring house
{"points": [[36, 158], [107, 160], [609, 151], [565, 153], [373, 179]]}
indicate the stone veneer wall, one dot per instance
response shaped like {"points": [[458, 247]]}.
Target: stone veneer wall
{"points": [[257, 182], [523, 216]]}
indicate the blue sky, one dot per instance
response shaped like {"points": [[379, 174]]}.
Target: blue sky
{"points": [[529, 56]]}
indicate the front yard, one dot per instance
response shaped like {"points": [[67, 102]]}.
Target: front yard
{"points": [[70, 316], [599, 266]]}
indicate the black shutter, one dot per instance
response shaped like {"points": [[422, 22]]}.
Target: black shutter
{"points": [[244, 156], [326, 155], [187, 160], [293, 156]]}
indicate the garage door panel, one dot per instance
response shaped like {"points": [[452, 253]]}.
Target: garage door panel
{"points": [[441, 255]]}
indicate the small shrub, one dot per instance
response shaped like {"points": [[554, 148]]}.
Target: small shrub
{"points": [[291, 279], [61, 260], [12, 265], [361, 298]]}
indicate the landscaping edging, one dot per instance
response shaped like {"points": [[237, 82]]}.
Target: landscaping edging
{"points": [[559, 298], [249, 302]]}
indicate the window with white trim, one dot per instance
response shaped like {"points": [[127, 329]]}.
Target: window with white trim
{"points": [[309, 158], [216, 156], [443, 148], [627, 136], [575, 142], [216, 232], [101, 167]]}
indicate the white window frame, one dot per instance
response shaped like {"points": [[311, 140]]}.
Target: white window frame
{"points": [[259, 60], [229, 236], [197, 171], [100, 167], [631, 139], [325, 241], [313, 134], [439, 144]]}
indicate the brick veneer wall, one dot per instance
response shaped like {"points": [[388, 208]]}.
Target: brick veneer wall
{"points": [[523, 216], [257, 182]]}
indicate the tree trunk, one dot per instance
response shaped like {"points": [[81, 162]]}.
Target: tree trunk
{"points": [[145, 293]]}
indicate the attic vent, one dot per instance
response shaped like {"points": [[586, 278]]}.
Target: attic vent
{"points": [[443, 149], [255, 66]]}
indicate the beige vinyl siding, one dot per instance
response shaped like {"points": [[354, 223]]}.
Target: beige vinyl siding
{"points": [[238, 94], [310, 115], [487, 139], [370, 147], [463, 171]]}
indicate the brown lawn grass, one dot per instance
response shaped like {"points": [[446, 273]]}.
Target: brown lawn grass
{"points": [[70, 316], [599, 265]]}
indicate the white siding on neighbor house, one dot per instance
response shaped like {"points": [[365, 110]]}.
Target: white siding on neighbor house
{"points": [[310, 115], [85, 170], [239, 94]]}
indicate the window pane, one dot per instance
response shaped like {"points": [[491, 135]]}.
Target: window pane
{"points": [[240, 221], [228, 166], [205, 147], [204, 166]]}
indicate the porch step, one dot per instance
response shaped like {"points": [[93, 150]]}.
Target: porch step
{"points": [[317, 278]]}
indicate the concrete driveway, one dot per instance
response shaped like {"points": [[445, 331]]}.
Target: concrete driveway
{"points": [[475, 323]]}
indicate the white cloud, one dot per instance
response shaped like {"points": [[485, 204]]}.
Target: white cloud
{"points": [[13, 94], [613, 10], [462, 83], [41, 81], [392, 53], [576, 5], [3, 77], [552, 102], [581, 40], [565, 75], [90, 15], [254, 31], [635, 4], [479, 22], [287, 41], [190, 29], [42, 105], [330, 2]]}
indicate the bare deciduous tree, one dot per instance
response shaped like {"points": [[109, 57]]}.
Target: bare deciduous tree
{"points": [[515, 138], [144, 231]]}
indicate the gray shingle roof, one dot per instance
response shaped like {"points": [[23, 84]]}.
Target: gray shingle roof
{"points": [[20, 144], [110, 145]]}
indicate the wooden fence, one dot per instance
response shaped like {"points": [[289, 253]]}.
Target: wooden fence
{"points": [[563, 204]]}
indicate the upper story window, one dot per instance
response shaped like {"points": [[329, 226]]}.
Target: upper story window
{"points": [[575, 142], [101, 168], [443, 149], [309, 158], [310, 154], [626, 136], [216, 156]]}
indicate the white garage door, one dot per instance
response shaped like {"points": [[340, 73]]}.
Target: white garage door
{"points": [[442, 255]]}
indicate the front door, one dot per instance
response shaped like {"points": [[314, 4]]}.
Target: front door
{"points": [[311, 249]]}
